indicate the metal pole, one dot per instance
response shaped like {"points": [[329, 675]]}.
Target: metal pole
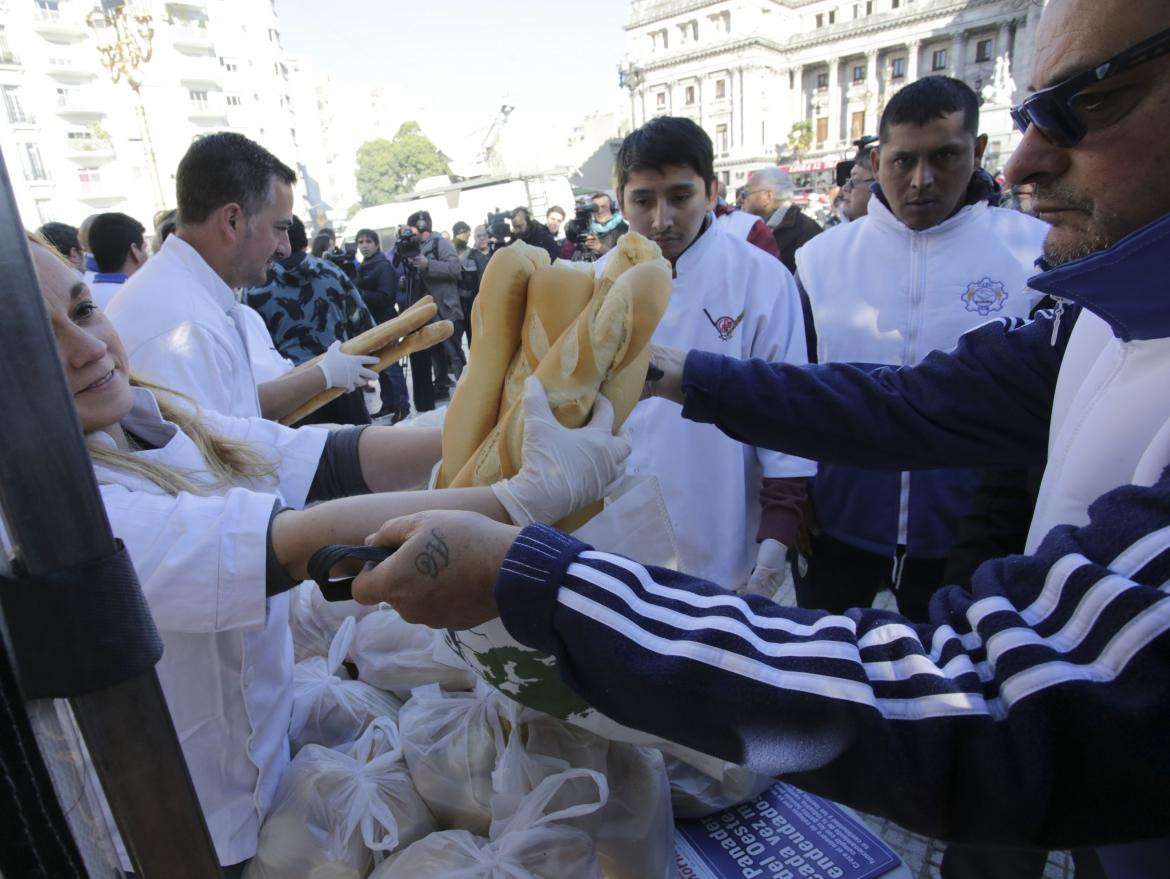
{"points": [[55, 518]]}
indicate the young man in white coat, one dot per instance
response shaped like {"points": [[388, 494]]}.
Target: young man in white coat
{"points": [[734, 508], [178, 316], [929, 262]]}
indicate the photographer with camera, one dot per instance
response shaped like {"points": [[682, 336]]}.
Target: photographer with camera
{"points": [[378, 283], [531, 232], [431, 266], [606, 226]]}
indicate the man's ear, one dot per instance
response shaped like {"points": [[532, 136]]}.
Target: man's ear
{"points": [[231, 220], [712, 194], [980, 148], [875, 160]]}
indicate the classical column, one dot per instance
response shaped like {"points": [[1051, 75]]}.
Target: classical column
{"points": [[798, 102], [740, 111], [913, 49], [871, 90], [957, 60], [834, 103]]}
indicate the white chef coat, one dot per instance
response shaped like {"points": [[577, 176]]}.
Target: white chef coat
{"points": [[227, 664], [732, 298], [182, 329], [267, 362]]}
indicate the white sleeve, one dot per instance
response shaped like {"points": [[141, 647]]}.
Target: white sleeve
{"points": [[295, 452], [201, 560], [777, 336]]}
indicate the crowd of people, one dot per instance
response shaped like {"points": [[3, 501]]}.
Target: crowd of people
{"points": [[947, 393]]}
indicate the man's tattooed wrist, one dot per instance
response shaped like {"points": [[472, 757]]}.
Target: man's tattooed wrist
{"points": [[434, 557]]}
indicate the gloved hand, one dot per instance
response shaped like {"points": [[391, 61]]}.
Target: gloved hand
{"points": [[669, 361], [346, 370], [564, 469], [769, 573]]}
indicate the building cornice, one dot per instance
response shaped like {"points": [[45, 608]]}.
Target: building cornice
{"points": [[711, 50], [663, 11], [888, 21]]}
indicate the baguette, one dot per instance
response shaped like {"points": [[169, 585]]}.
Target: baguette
{"points": [[556, 295], [629, 250], [420, 339], [601, 348], [496, 318]]}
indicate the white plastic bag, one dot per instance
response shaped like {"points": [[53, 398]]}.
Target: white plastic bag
{"points": [[533, 843], [398, 656], [451, 742], [329, 709], [314, 621], [695, 794], [333, 810]]}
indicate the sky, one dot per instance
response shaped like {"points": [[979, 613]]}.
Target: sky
{"points": [[455, 63]]}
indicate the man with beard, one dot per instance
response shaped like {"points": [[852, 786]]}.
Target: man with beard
{"points": [[1032, 710]]}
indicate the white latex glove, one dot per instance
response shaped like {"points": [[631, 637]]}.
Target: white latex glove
{"points": [[564, 469], [769, 573], [346, 370]]}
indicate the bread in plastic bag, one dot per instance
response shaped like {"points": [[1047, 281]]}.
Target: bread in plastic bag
{"points": [[695, 794], [314, 621], [398, 656], [532, 843], [328, 708], [333, 809]]}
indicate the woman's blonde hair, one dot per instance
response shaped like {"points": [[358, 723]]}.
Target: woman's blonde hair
{"points": [[226, 459]]}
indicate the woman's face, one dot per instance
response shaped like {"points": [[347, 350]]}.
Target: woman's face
{"points": [[95, 363]]}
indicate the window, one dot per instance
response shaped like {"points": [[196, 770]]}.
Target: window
{"points": [[89, 178], [30, 162], [983, 51], [233, 100], [13, 106], [198, 99], [688, 32], [720, 22], [898, 68], [869, 7], [822, 80], [660, 100], [820, 19], [938, 60], [894, 4], [79, 137], [48, 10], [690, 94], [721, 139], [857, 125], [832, 16], [859, 73], [229, 66], [822, 129], [725, 176], [721, 88]]}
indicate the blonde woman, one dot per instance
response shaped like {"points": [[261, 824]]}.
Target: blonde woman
{"points": [[207, 505]]}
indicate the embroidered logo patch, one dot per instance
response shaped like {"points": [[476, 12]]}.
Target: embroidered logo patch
{"points": [[724, 326], [984, 296]]}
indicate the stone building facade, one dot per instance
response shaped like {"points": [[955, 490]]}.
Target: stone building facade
{"points": [[748, 71]]}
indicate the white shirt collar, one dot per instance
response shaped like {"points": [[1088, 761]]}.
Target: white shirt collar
{"points": [[178, 249], [689, 259], [884, 216], [144, 420]]}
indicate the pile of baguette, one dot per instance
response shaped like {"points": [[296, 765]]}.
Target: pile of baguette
{"points": [[389, 341], [579, 335]]}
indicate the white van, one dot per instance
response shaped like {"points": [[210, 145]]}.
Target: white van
{"points": [[468, 200]]}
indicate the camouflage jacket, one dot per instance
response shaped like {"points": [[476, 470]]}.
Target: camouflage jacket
{"points": [[307, 304]]}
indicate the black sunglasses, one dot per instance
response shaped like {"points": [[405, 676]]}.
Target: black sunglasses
{"points": [[1064, 115]]}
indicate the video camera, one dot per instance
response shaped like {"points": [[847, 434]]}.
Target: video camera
{"points": [[406, 246], [499, 229], [583, 213], [344, 258]]}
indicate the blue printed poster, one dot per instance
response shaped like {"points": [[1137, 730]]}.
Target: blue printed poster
{"points": [[783, 834]]}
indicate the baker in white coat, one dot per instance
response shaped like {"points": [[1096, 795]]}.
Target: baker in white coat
{"points": [[734, 508], [177, 315], [209, 509]]}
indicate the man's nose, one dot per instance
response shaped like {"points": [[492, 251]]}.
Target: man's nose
{"points": [[1036, 158], [923, 176]]}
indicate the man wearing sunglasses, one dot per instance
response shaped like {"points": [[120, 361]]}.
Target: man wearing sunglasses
{"points": [[1034, 709]]}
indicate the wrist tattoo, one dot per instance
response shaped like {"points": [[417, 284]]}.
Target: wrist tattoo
{"points": [[434, 557]]}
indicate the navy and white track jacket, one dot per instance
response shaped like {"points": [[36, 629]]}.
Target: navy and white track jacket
{"points": [[1034, 709]]}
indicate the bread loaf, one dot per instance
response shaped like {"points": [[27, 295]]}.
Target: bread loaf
{"points": [[496, 318], [419, 340], [630, 250], [599, 348], [556, 295]]}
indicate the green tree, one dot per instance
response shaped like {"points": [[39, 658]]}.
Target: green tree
{"points": [[387, 168], [800, 138]]}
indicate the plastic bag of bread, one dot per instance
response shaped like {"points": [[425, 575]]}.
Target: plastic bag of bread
{"points": [[329, 708], [398, 656], [534, 841], [334, 809], [451, 742], [696, 794], [314, 621]]}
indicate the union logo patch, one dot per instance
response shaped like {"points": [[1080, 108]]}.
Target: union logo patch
{"points": [[725, 326], [984, 296]]}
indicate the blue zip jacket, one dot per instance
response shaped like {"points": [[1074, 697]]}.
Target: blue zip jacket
{"points": [[1032, 710]]}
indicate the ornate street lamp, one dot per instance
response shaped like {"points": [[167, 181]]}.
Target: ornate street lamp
{"points": [[124, 36]]}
